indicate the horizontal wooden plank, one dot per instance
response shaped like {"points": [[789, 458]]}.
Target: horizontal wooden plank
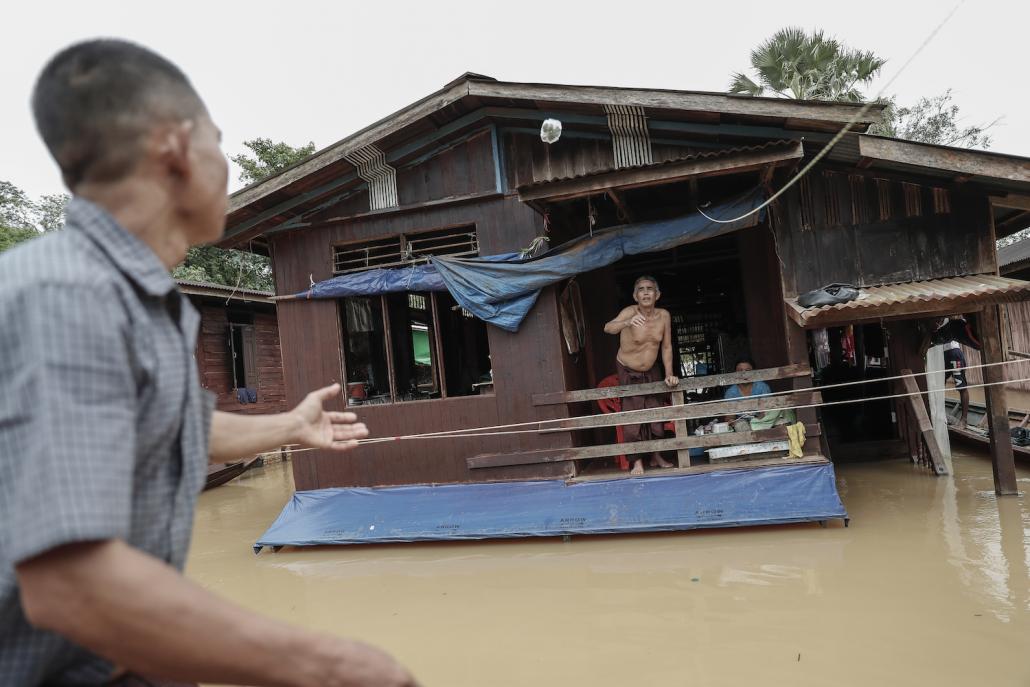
{"points": [[813, 459], [686, 384], [493, 460], [960, 161], [826, 111], [699, 410]]}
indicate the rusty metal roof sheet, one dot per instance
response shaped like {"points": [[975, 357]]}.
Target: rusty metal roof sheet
{"points": [[204, 288], [704, 155], [914, 299]]}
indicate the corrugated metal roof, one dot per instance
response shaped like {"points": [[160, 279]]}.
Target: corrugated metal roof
{"points": [[1014, 252], [204, 288], [707, 154], [912, 299]]}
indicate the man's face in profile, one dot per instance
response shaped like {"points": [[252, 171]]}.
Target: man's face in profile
{"points": [[205, 197]]}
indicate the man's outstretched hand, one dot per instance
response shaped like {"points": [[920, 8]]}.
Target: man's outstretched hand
{"points": [[317, 427]]}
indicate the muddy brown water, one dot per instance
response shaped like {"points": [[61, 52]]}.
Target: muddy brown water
{"points": [[930, 585]]}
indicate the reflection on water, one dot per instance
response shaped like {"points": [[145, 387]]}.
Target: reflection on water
{"points": [[929, 585]]}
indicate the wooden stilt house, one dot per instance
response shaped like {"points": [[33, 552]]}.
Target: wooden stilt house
{"points": [[464, 173]]}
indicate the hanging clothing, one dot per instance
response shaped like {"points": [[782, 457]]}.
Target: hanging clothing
{"points": [[847, 343], [821, 347]]}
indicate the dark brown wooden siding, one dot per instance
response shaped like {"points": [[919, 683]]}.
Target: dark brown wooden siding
{"points": [[841, 226], [524, 363], [529, 161], [213, 359]]}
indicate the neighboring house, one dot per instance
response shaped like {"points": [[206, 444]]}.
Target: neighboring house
{"points": [[238, 347], [464, 172], [1014, 262]]}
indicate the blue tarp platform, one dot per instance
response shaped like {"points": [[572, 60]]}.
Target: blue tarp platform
{"points": [[764, 495]]}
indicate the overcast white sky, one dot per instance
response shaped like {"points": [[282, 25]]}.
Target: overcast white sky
{"points": [[300, 71]]}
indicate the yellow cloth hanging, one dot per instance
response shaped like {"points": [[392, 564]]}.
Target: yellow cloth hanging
{"points": [[796, 434]]}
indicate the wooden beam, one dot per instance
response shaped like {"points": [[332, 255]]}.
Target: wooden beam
{"points": [[1002, 460], [962, 161], [557, 455], [680, 429], [1012, 202], [620, 203], [823, 111], [1015, 223], [717, 467], [686, 384], [918, 409], [664, 173]]}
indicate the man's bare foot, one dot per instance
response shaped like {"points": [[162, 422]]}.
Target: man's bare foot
{"points": [[638, 467], [662, 463]]}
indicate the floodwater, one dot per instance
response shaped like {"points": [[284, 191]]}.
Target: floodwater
{"points": [[929, 585]]}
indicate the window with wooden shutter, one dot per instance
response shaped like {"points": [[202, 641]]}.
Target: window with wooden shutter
{"points": [[405, 249]]}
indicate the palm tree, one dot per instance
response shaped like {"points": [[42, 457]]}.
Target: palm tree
{"points": [[793, 64]]}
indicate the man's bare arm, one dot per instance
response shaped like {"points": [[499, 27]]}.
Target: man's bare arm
{"points": [[628, 317], [236, 436], [670, 378], [144, 616]]}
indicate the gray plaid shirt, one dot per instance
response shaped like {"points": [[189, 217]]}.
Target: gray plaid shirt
{"points": [[103, 424]]}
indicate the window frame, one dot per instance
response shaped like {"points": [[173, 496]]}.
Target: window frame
{"points": [[436, 341]]}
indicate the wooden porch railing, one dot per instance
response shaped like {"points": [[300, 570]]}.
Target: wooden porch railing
{"points": [[678, 413]]}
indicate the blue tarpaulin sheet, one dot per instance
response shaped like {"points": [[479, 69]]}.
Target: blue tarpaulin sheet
{"points": [[501, 289], [724, 498], [421, 277]]}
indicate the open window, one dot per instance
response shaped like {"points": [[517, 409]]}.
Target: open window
{"points": [[411, 346], [242, 350]]}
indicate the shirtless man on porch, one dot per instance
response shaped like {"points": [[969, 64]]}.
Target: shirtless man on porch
{"points": [[643, 329]]}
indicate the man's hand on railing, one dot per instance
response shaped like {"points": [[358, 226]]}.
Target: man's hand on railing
{"points": [[672, 381]]}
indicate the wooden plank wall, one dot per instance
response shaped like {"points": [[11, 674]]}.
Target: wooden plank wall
{"points": [[862, 229], [1017, 315], [213, 361], [524, 363]]}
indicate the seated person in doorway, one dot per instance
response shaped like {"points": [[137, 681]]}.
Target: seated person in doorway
{"points": [[643, 329], [954, 332], [752, 420]]}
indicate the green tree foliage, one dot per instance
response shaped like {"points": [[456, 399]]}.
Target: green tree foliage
{"points": [[12, 236], [233, 267], [932, 120], [227, 267], [22, 219], [50, 211], [269, 158], [796, 64], [16, 209]]}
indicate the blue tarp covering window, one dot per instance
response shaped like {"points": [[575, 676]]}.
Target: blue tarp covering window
{"points": [[724, 498], [502, 289]]}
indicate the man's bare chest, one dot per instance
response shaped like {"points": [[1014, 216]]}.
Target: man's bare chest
{"points": [[649, 333]]}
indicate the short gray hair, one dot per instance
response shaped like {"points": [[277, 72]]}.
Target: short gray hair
{"points": [[94, 102], [646, 277]]}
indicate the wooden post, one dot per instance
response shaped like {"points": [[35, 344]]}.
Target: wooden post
{"points": [[683, 455], [916, 405], [938, 414], [797, 353], [1002, 460]]}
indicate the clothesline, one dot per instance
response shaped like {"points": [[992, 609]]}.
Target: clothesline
{"points": [[538, 425], [614, 419]]}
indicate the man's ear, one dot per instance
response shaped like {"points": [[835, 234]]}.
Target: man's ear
{"points": [[173, 148]]}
